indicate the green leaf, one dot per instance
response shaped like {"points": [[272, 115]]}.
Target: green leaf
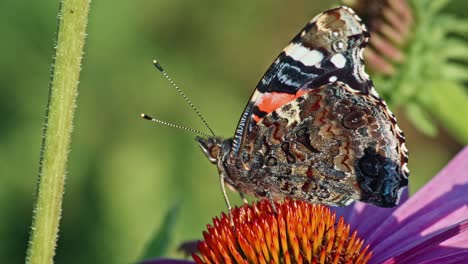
{"points": [[455, 71], [159, 243], [456, 48], [435, 6], [450, 105], [456, 25], [420, 119]]}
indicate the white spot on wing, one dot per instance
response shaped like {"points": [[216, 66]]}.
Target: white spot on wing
{"points": [[405, 170], [403, 147], [312, 58], [338, 60], [400, 192], [295, 50], [333, 79], [361, 54], [364, 28], [398, 130], [374, 92], [364, 73], [306, 56], [255, 95]]}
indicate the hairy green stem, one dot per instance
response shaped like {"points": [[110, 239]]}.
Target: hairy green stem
{"points": [[63, 90]]}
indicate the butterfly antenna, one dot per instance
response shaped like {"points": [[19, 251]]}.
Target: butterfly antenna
{"points": [[161, 69], [147, 117]]}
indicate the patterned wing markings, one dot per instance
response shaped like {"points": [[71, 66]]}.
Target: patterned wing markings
{"points": [[333, 144], [328, 49]]}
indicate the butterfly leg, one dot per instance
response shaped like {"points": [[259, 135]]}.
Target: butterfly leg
{"points": [[243, 197], [226, 199], [272, 202]]}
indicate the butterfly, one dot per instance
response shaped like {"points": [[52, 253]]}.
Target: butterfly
{"points": [[315, 128]]}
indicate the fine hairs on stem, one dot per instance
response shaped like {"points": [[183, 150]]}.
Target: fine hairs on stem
{"points": [[63, 91]]}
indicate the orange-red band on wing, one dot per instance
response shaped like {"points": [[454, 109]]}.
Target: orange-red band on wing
{"points": [[269, 102], [256, 118]]}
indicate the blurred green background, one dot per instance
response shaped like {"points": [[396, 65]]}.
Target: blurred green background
{"points": [[125, 173]]}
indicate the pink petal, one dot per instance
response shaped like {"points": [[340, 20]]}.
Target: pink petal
{"points": [[459, 257], [430, 246], [427, 211], [366, 217]]}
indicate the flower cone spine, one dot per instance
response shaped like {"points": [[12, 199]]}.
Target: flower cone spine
{"points": [[298, 232]]}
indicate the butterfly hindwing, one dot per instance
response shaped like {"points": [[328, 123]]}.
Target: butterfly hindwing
{"points": [[330, 146]]}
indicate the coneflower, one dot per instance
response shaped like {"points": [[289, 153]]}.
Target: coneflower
{"points": [[429, 227]]}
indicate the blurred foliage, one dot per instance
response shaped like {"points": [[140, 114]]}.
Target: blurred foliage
{"points": [[126, 173], [431, 82], [159, 244]]}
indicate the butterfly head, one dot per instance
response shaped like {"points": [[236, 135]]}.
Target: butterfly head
{"points": [[211, 146], [215, 149], [335, 31]]}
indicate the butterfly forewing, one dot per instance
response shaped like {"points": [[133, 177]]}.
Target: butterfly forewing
{"points": [[328, 49]]}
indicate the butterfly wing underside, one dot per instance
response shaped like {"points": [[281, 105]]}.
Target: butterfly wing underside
{"points": [[330, 146], [328, 49], [315, 128]]}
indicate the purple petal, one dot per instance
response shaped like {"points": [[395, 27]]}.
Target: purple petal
{"points": [[366, 217], [459, 257], [438, 205], [189, 247], [166, 261], [431, 246]]}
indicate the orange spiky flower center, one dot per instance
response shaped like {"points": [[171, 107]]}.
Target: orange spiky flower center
{"points": [[298, 232]]}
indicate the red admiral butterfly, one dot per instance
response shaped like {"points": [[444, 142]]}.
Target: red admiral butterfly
{"points": [[315, 129]]}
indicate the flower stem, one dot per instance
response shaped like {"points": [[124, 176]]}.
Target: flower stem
{"points": [[63, 90]]}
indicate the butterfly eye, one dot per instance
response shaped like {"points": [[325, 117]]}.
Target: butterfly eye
{"points": [[338, 46]]}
